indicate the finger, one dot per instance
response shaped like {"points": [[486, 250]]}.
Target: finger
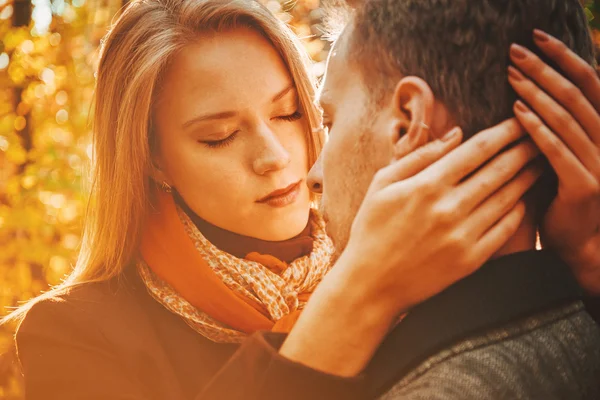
{"points": [[494, 175], [570, 171], [560, 88], [474, 152], [418, 160], [496, 237], [558, 119], [498, 204], [576, 69]]}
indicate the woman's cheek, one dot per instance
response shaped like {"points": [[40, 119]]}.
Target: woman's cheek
{"points": [[298, 146]]}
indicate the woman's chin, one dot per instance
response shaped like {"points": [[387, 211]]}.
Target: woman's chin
{"points": [[285, 225]]}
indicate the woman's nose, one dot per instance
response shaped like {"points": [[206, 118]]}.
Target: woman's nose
{"points": [[272, 155]]}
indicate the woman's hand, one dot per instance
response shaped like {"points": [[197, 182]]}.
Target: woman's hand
{"points": [[441, 221], [565, 125], [423, 225]]}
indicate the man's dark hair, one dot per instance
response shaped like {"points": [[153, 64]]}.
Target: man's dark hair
{"points": [[459, 47]]}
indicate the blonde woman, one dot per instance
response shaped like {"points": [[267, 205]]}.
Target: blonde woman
{"points": [[201, 232]]}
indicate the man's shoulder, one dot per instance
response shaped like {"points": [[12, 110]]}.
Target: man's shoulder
{"points": [[552, 355]]}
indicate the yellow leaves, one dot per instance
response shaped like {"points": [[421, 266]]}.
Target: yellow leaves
{"points": [[61, 98], [314, 47], [59, 135], [16, 73], [50, 199], [70, 241], [4, 60], [68, 213], [62, 116], [20, 123], [102, 16], [14, 38], [28, 182], [57, 269], [13, 188], [47, 76], [27, 46], [36, 63], [42, 44], [6, 12], [23, 108], [23, 276], [61, 75], [54, 39], [16, 154], [41, 195], [38, 90]]}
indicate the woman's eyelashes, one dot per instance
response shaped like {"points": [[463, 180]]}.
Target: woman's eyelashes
{"points": [[291, 117], [223, 142], [229, 139]]}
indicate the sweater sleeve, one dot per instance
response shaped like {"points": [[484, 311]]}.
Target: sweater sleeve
{"points": [[257, 371], [65, 356]]}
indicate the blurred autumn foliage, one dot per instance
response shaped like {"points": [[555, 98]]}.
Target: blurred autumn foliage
{"points": [[48, 50]]}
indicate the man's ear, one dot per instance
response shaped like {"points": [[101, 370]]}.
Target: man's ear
{"points": [[412, 107]]}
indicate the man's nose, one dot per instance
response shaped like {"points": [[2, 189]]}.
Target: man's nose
{"points": [[315, 177], [272, 155]]}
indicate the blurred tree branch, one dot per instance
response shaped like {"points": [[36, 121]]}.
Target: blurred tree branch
{"points": [[21, 13]]}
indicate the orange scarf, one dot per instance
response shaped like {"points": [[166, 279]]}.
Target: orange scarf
{"points": [[222, 297]]}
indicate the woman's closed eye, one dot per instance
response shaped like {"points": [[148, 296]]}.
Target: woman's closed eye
{"points": [[295, 116], [221, 142]]}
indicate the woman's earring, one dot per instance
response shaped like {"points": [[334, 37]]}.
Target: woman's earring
{"points": [[166, 187]]}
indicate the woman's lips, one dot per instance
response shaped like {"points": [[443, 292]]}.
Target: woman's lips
{"points": [[283, 197]]}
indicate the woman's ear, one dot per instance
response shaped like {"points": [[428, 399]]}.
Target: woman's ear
{"points": [[158, 175], [412, 106]]}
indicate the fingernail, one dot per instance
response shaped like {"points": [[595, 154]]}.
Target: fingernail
{"points": [[518, 52], [521, 107], [515, 73], [450, 135], [540, 35]]}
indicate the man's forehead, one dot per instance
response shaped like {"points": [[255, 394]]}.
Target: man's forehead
{"points": [[333, 78], [326, 93]]}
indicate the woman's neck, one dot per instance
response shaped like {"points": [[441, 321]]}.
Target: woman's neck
{"points": [[240, 245]]}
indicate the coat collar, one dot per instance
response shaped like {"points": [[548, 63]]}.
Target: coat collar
{"points": [[502, 291]]}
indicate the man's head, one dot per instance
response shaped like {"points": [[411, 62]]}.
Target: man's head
{"points": [[404, 71]]}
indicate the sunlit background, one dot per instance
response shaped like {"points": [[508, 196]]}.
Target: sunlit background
{"points": [[48, 52]]}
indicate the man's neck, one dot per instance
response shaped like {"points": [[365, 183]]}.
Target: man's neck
{"points": [[523, 240]]}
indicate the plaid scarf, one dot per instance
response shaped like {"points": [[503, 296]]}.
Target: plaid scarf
{"points": [[222, 297]]}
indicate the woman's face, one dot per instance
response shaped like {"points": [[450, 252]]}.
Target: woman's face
{"points": [[232, 137]]}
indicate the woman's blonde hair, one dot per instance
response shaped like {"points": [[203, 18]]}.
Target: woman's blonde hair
{"points": [[134, 55]]}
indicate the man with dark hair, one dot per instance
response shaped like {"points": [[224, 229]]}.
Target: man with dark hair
{"points": [[516, 329], [460, 48]]}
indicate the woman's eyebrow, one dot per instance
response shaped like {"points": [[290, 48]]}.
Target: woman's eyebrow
{"points": [[230, 114], [282, 93], [215, 116]]}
